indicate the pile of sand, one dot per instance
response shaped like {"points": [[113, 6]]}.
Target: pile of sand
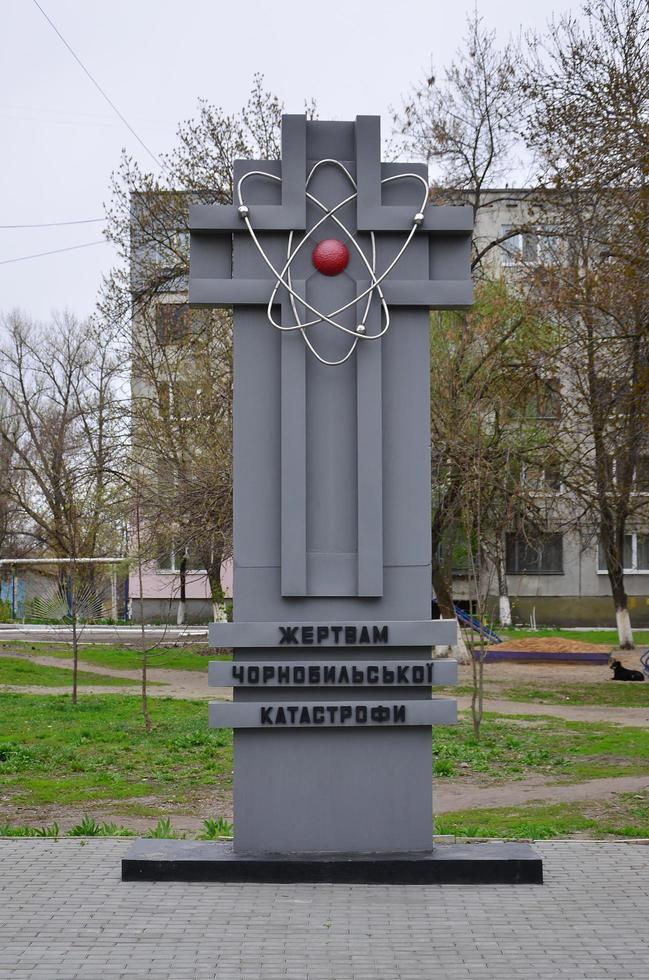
{"points": [[552, 644]]}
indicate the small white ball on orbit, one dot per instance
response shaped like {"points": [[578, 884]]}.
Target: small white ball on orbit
{"points": [[418, 218], [244, 210], [360, 328]]}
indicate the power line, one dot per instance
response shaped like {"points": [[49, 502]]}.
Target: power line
{"points": [[54, 251], [59, 224], [98, 86]]}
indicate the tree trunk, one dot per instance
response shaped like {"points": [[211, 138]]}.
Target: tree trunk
{"points": [[444, 597], [477, 692], [624, 631], [182, 601], [443, 593], [504, 605], [143, 647], [75, 658], [72, 604], [219, 613], [613, 542]]}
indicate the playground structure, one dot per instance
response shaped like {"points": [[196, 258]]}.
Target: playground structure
{"points": [[61, 598], [465, 619]]}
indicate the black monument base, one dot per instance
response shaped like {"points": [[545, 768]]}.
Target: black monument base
{"points": [[447, 864]]}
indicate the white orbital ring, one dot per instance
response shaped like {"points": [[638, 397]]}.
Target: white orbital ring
{"points": [[284, 279]]}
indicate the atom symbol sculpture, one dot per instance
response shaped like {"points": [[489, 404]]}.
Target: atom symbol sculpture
{"points": [[330, 257]]}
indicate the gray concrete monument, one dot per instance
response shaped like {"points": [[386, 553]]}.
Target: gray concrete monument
{"points": [[331, 261]]}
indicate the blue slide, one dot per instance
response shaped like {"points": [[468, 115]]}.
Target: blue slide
{"points": [[476, 625]]}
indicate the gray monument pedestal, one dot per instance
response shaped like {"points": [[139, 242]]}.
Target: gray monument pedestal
{"points": [[331, 261]]}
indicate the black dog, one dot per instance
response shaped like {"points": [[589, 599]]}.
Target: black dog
{"points": [[621, 673]]}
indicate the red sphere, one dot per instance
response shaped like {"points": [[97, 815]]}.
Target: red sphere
{"points": [[330, 257]]}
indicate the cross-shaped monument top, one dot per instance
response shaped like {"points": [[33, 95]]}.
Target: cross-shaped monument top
{"points": [[330, 181]]}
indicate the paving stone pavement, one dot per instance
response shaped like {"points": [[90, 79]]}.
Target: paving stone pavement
{"points": [[65, 915]]}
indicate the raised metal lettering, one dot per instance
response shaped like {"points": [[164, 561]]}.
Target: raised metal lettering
{"points": [[289, 634], [380, 714]]}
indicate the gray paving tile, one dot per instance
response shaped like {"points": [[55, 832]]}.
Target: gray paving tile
{"points": [[65, 915]]}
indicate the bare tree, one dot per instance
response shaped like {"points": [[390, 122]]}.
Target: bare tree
{"points": [[63, 426], [181, 359], [62, 429], [589, 83], [182, 444], [465, 122]]}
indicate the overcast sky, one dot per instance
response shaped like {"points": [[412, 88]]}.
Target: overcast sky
{"points": [[155, 58]]}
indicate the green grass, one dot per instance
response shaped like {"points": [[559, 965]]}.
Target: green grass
{"points": [[609, 637], [122, 657], [512, 747], [24, 673], [612, 694], [54, 752], [213, 829], [625, 815]]}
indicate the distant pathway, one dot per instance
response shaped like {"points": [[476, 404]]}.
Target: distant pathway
{"points": [[632, 717], [173, 683], [449, 796]]}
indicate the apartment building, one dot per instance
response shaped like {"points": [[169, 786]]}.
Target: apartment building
{"points": [[560, 578]]}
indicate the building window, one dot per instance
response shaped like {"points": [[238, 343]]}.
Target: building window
{"points": [[543, 479], [520, 246], [544, 400], [169, 559], [635, 555], [512, 249], [171, 322], [641, 481], [542, 247], [542, 555]]}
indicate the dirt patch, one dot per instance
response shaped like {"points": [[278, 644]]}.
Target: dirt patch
{"points": [[630, 717], [552, 644], [185, 819], [449, 795], [509, 674]]}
